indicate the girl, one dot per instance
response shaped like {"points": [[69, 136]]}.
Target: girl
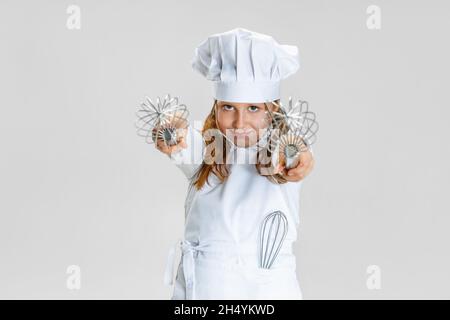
{"points": [[232, 188]]}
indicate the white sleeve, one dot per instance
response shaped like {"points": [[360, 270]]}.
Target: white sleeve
{"points": [[190, 159]]}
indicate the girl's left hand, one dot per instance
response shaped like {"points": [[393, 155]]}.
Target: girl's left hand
{"points": [[305, 166]]}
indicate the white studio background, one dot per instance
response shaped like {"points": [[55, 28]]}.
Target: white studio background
{"points": [[80, 188]]}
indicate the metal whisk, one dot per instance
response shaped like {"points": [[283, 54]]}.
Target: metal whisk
{"points": [[271, 240], [161, 120], [294, 130]]}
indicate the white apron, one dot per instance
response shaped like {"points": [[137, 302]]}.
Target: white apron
{"points": [[220, 258]]}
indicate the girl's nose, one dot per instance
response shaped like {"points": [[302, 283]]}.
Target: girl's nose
{"points": [[239, 119]]}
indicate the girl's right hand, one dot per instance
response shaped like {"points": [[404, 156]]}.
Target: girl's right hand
{"points": [[181, 133]]}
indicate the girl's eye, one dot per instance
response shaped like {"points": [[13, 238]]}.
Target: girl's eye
{"points": [[253, 108], [227, 107]]}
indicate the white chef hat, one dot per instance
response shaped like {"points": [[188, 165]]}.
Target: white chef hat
{"points": [[245, 66]]}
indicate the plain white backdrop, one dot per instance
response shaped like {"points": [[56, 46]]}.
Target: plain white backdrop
{"points": [[79, 187]]}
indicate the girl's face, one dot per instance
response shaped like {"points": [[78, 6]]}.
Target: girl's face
{"points": [[243, 123]]}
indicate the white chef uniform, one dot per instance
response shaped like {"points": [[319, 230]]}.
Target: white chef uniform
{"points": [[220, 257]]}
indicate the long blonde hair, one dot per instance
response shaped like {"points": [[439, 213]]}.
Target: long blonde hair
{"points": [[221, 170]]}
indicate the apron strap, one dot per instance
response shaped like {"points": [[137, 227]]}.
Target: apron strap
{"points": [[188, 248]]}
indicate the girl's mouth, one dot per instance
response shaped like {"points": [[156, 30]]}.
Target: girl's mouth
{"points": [[242, 132]]}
